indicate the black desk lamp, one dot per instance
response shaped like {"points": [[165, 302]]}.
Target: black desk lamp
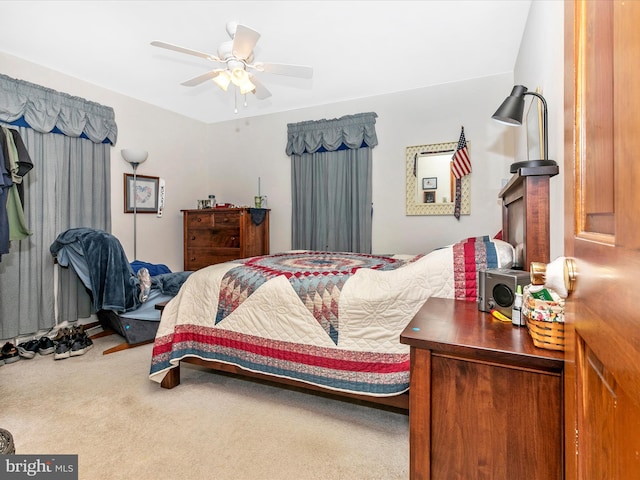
{"points": [[510, 113]]}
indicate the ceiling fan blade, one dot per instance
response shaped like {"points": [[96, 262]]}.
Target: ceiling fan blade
{"points": [[188, 51], [244, 40], [261, 91], [301, 71], [201, 78]]}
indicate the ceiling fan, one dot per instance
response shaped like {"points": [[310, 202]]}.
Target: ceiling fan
{"points": [[237, 65]]}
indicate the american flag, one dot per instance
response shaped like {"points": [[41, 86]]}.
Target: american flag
{"points": [[461, 164]]}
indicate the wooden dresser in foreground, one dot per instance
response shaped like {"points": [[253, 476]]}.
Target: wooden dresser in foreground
{"points": [[484, 402], [217, 235]]}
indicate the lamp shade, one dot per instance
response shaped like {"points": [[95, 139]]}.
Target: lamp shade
{"points": [[134, 156], [512, 109], [247, 87], [222, 79]]}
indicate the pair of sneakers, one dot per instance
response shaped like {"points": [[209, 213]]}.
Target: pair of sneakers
{"points": [[72, 342], [43, 345]]}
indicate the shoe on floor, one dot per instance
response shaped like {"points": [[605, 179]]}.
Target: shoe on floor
{"points": [[62, 348], [28, 349], [46, 346], [63, 332], [80, 345], [9, 353]]}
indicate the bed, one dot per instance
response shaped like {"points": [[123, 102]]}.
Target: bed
{"points": [[325, 321], [99, 261], [348, 341]]}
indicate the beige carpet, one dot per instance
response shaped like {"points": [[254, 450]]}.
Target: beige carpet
{"points": [[123, 426]]}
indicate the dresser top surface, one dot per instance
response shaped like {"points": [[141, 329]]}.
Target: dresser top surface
{"points": [[221, 209], [456, 326]]}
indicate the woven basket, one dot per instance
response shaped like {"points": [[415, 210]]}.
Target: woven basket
{"points": [[549, 335], [545, 320], [6, 443]]}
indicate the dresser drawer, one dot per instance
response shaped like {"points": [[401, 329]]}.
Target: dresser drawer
{"points": [[209, 219], [226, 219], [199, 220], [197, 258], [213, 238]]}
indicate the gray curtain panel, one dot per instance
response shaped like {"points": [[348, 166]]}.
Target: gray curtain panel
{"points": [[331, 183], [68, 187]]}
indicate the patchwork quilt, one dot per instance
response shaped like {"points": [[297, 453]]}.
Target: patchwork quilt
{"points": [[329, 319], [317, 278]]}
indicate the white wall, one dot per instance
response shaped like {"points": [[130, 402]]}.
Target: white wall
{"points": [[540, 63], [255, 147], [226, 159]]}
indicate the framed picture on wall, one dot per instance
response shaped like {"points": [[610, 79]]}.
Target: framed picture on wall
{"points": [[430, 196], [430, 183], [146, 193]]}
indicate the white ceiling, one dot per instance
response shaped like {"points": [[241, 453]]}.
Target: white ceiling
{"points": [[356, 48]]}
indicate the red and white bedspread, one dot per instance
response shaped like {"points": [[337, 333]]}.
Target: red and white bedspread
{"points": [[324, 318]]}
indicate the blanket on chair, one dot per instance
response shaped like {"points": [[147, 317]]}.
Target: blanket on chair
{"points": [[113, 283], [106, 271]]}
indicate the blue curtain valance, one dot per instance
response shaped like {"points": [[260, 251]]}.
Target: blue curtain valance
{"points": [[46, 110], [350, 131]]}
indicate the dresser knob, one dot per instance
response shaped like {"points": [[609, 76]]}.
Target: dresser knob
{"points": [[193, 238]]}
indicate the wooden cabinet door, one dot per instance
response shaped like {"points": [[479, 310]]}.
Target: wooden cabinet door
{"points": [[602, 232]]}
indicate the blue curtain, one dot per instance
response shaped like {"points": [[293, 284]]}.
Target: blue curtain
{"points": [[331, 183], [68, 140]]}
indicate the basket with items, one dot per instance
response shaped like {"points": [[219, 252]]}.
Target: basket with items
{"points": [[543, 301], [543, 312]]}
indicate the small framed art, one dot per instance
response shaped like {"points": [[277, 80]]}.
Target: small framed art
{"points": [[430, 183], [430, 196], [146, 193]]}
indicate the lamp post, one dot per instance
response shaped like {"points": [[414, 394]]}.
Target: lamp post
{"points": [[510, 113], [135, 158]]}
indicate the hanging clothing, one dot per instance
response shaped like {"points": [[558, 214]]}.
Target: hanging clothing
{"points": [[23, 160], [18, 163], [5, 185]]}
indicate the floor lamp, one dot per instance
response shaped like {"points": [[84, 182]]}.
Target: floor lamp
{"points": [[135, 158]]}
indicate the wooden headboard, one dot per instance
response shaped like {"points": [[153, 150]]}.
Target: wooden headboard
{"points": [[525, 214]]}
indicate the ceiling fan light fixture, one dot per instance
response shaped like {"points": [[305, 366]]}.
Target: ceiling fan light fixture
{"points": [[247, 87], [236, 63], [222, 80], [239, 76]]}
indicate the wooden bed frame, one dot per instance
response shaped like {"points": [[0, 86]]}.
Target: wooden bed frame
{"points": [[172, 379], [525, 219]]}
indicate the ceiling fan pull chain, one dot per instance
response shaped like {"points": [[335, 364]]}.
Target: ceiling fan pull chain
{"points": [[235, 100]]}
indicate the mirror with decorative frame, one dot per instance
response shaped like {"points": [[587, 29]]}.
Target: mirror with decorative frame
{"points": [[430, 186]]}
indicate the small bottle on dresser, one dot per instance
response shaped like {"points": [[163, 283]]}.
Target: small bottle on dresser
{"points": [[516, 310]]}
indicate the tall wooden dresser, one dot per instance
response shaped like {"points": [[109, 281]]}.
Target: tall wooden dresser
{"points": [[217, 235]]}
